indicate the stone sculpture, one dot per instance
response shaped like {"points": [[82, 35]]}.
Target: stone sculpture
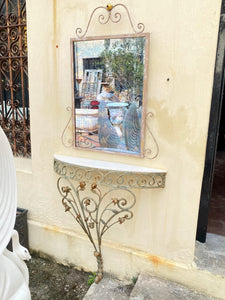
{"points": [[132, 129], [14, 276], [108, 137]]}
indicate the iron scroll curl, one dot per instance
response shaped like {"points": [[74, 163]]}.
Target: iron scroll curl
{"points": [[110, 14]]}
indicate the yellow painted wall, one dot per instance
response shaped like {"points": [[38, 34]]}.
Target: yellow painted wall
{"points": [[182, 49]]}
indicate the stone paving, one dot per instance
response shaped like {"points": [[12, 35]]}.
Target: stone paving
{"points": [[49, 280], [210, 256], [146, 288], [153, 288]]}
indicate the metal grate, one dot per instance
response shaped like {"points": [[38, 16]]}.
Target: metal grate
{"points": [[14, 98]]}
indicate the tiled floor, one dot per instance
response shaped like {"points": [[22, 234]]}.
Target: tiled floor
{"points": [[216, 221]]}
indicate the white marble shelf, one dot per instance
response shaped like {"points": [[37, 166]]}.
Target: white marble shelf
{"points": [[108, 173], [105, 165]]}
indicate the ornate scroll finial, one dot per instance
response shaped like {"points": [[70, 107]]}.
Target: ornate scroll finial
{"points": [[114, 17], [109, 7]]}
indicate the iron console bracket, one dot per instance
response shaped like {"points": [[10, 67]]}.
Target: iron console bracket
{"points": [[96, 210]]}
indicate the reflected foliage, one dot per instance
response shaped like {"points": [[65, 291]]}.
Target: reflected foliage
{"points": [[124, 63]]}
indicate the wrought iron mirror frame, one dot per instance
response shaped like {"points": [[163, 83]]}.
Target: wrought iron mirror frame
{"points": [[145, 80], [87, 179], [149, 152]]}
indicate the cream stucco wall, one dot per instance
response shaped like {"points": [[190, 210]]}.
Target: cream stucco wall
{"points": [[183, 39]]}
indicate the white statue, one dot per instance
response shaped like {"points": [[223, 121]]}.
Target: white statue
{"points": [[18, 255], [14, 276]]}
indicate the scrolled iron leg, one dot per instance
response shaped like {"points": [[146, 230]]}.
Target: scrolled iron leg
{"points": [[98, 213], [99, 274]]}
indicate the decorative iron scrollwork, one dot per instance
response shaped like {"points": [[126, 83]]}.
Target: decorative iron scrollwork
{"points": [[14, 98], [110, 14], [141, 180], [70, 141], [96, 213], [148, 152], [87, 141]]}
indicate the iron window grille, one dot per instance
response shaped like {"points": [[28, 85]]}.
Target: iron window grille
{"points": [[14, 96]]}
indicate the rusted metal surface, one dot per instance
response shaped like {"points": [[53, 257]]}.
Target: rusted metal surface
{"points": [[14, 99]]}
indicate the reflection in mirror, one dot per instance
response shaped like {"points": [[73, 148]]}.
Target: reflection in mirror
{"points": [[109, 82]]}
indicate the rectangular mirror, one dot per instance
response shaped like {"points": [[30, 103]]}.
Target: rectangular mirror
{"points": [[109, 87]]}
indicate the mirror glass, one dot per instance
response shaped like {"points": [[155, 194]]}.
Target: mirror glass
{"points": [[109, 75]]}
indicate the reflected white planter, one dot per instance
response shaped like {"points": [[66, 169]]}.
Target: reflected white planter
{"points": [[86, 119]]}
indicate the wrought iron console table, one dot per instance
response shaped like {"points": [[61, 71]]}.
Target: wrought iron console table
{"points": [[96, 210]]}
